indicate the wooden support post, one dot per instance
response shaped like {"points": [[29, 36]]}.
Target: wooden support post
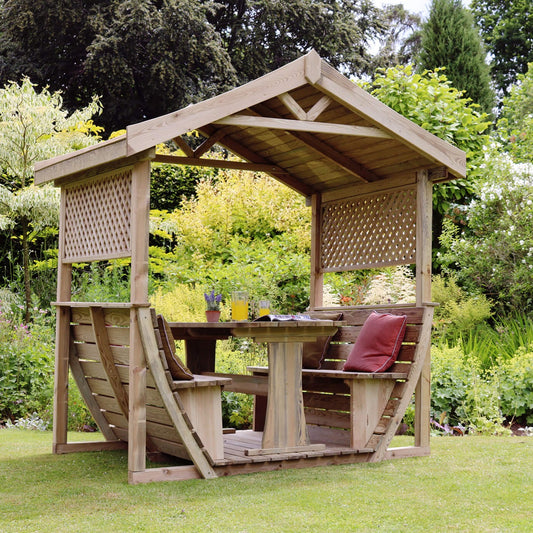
{"points": [[200, 355], [317, 278], [64, 280], [140, 213], [285, 417], [368, 398], [424, 211]]}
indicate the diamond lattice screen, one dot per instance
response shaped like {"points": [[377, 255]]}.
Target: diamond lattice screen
{"points": [[97, 218], [370, 231]]}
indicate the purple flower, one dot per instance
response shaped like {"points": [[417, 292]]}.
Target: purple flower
{"points": [[213, 300]]}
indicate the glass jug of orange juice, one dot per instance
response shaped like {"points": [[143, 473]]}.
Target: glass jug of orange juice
{"points": [[239, 305]]}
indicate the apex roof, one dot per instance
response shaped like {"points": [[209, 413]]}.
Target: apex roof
{"points": [[305, 124]]}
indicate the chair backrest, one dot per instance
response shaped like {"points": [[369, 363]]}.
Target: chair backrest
{"points": [[342, 342], [99, 359]]}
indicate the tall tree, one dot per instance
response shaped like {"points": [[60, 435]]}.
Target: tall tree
{"points": [[143, 57], [149, 58], [400, 42], [450, 39], [515, 126], [262, 35], [34, 126], [507, 29], [48, 44]]}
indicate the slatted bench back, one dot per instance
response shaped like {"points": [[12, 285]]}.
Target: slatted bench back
{"points": [[327, 400], [341, 344], [99, 359]]}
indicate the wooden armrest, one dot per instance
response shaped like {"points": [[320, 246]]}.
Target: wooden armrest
{"points": [[201, 381]]}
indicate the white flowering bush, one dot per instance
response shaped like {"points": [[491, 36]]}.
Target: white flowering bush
{"points": [[494, 249], [391, 286]]}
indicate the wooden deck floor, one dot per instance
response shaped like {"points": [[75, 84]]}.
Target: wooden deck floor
{"points": [[236, 444], [236, 461]]}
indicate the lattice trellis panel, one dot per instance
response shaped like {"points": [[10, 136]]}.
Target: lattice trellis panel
{"points": [[370, 231], [97, 218]]}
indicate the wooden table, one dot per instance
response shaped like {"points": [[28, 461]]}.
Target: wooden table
{"points": [[285, 428]]}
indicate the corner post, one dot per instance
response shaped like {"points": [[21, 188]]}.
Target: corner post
{"points": [[424, 211], [317, 278], [64, 281], [140, 215]]}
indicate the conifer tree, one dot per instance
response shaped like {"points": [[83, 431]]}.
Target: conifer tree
{"points": [[450, 39]]}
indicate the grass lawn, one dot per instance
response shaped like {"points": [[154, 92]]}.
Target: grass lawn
{"points": [[467, 484]]}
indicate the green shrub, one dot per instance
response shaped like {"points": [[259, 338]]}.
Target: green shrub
{"points": [[461, 394], [482, 407], [515, 379], [103, 281], [183, 303], [459, 313], [26, 369], [237, 410], [451, 376], [243, 232]]}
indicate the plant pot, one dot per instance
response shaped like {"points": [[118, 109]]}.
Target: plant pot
{"points": [[212, 316]]}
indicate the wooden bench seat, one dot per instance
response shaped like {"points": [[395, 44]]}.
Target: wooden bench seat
{"points": [[367, 407], [337, 374], [183, 417]]}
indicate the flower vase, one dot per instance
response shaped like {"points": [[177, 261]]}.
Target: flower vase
{"points": [[212, 316]]}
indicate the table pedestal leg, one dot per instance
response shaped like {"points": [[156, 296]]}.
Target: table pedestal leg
{"points": [[285, 418], [200, 354]]}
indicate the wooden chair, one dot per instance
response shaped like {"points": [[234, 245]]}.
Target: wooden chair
{"points": [[365, 409], [183, 417]]}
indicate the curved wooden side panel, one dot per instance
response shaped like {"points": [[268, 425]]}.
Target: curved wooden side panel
{"points": [[189, 439], [87, 395], [403, 399]]}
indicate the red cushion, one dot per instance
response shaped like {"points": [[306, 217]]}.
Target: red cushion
{"points": [[378, 343]]}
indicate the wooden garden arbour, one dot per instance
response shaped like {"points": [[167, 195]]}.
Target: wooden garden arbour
{"points": [[366, 171]]}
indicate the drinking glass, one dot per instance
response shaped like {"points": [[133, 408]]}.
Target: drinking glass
{"points": [[239, 305], [264, 307]]}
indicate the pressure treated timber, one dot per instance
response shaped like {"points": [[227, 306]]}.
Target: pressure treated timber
{"points": [[337, 146], [339, 88], [249, 121], [423, 293]]}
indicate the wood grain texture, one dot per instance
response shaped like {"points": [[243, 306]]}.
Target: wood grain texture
{"points": [[285, 419], [108, 363], [151, 350]]}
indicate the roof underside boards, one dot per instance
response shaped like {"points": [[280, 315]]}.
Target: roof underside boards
{"points": [[313, 128]]}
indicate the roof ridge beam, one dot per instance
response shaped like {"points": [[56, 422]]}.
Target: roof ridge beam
{"points": [[325, 150], [252, 121]]}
